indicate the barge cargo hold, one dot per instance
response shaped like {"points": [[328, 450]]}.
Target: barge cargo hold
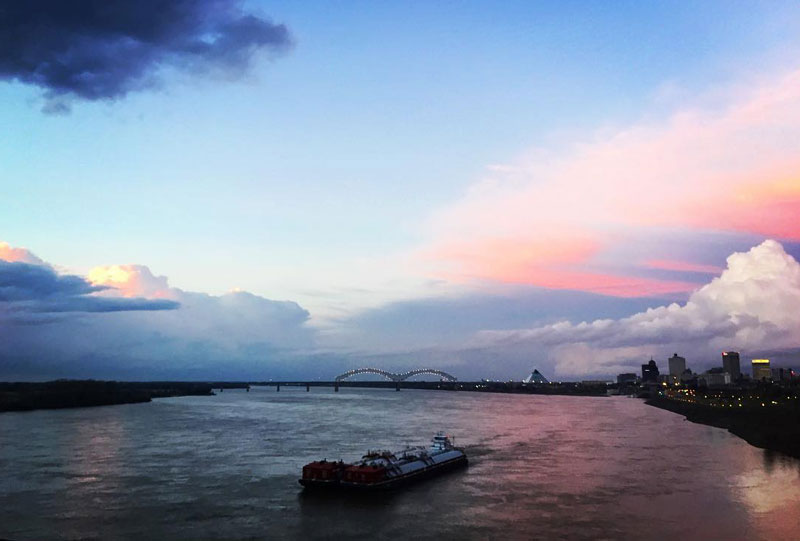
{"points": [[382, 470]]}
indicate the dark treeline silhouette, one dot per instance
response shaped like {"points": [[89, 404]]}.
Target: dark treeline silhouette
{"points": [[23, 396]]}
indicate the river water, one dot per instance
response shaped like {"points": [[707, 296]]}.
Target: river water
{"points": [[541, 467]]}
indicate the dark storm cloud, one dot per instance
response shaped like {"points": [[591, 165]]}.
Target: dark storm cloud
{"points": [[38, 288], [23, 282], [109, 304], [103, 49]]}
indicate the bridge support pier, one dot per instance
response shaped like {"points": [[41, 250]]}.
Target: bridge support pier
{"points": [[308, 387], [278, 388], [397, 386], [336, 387]]}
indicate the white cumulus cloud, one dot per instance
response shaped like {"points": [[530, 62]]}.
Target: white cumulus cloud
{"points": [[751, 306]]}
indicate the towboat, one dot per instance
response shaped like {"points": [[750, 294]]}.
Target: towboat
{"points": [[382, 470]]}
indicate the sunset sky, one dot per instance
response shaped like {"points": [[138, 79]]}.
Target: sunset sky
{"points": [[261, 189]]}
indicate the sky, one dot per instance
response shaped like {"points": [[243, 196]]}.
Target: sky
{"points": [[214, 189]]}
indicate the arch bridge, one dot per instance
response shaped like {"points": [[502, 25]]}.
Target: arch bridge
{"points": [[402, 376]]}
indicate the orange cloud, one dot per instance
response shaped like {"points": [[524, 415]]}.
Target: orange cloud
{"points": [[770, 207], [131, 281]]}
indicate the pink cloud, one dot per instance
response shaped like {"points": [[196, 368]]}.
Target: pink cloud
{"points": [[734, 168], [684, 266], [18, 255], [552, 262], [511, 259], [604, 284]]}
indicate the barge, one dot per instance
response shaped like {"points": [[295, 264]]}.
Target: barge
{"points": [[383, 470]]}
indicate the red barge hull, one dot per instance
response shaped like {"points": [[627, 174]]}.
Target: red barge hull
{"points": [[385, 483]]}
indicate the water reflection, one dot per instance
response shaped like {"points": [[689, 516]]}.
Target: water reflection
{"points": [[773, 458], [226, 467], [96, 444]]}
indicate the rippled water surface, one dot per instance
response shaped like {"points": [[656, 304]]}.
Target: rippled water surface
{"points": [[226, 467]]}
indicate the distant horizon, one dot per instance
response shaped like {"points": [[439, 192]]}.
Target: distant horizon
{"points": [[745, 363]]}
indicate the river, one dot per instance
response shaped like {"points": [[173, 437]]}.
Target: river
{"points": [[541, 467]]}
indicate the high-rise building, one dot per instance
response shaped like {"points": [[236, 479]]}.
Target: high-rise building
{"points": [[782, 374], [650, 372], [677, 365], [730, 364], [761, 369]]}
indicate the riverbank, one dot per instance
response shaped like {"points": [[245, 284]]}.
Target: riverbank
{"points": [[24, 396], [776, 428]]}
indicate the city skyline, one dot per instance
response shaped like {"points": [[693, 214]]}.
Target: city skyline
{"points": [[576, 191]]}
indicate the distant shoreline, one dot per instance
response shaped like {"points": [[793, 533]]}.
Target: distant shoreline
{"points": [[499, 387], [24, 396], [59, 394], [774, 429]]}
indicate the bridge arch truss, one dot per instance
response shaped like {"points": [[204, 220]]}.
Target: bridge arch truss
{"points": [[396, 377]]}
